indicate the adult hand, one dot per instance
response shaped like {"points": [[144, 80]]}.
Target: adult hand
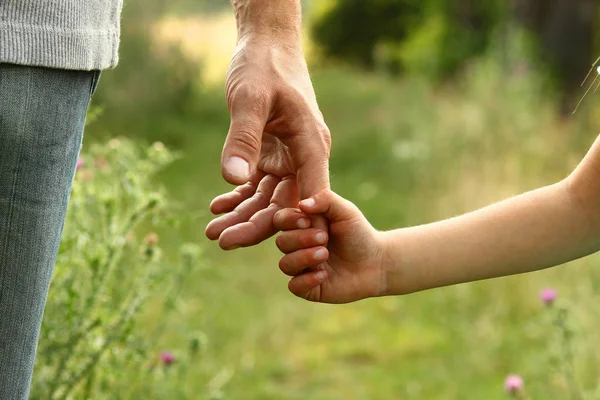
{"points": [[277, 131]]}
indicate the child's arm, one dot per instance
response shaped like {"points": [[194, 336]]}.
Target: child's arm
{"points": [[536, 230]]}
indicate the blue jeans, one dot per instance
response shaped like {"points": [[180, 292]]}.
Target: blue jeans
{"points": [[42, 115]]}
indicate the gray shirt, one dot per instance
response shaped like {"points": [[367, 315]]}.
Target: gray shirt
{"points": [[66, 34]]}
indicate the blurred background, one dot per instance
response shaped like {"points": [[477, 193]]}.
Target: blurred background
{"points": [[436, 108]]}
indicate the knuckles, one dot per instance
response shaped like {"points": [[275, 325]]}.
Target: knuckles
{"points": [[245, 136], [246, 95]]}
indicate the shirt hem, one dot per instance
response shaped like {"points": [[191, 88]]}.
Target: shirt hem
{"points": [[59, 48]]}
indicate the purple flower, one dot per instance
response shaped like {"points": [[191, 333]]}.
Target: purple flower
{"points": [[167, 357], [513, 384], [548, 296], [80, 163]]}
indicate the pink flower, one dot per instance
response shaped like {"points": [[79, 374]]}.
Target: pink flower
{"points": [[167, 357], [87, 175], [102, 163], [548, 296], [513, 384], [151, 239], [80, 163]]}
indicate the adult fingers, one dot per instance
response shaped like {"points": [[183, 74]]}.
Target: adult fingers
{"points": [[229, 201], [310, 151], [291, 241], [242, 213], [311, 154], [258, 228], [294, 263]]}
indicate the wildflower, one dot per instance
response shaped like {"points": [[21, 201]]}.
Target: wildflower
{"points": [[114, 143], [102, 163], [167, 358], [513, 384], [151, 239], [80, 163], [158, 146], [548, 296]]}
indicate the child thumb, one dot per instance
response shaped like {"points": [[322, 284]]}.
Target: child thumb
{"points": [[326, 202]]}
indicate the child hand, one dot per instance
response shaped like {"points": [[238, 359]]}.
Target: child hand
{"points": [[341, 268]]}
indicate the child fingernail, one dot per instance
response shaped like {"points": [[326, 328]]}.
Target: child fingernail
{"points": [[308, 203], [303, 223], [321, 254], [321, 275], [321, 237]]}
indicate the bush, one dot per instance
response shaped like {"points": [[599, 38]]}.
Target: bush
{"points": [[432, 36], [109, 263]]}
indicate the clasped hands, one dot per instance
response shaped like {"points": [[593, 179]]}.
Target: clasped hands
{"points": [[277, 153]]}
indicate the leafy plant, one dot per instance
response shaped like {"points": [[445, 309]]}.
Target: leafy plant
{"points": [[109, 264]]}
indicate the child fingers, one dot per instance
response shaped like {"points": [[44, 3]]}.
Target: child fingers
{"points": [[304, 285], [294, 263], [289, 219], [291, 241]]}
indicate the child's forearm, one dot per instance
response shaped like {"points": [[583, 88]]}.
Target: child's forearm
{"points": [[536, 230]]}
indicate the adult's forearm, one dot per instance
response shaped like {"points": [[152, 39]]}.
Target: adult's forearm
{"points": [[536, 230], [279, 18]]}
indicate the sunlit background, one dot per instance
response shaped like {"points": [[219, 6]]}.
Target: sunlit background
{"points": [[436, 107]]}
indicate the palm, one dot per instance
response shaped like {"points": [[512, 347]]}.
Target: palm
{"points": [[275, 157]]}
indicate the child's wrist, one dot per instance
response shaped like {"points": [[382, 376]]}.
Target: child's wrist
{"points": [[386, 260], [392, 266]]}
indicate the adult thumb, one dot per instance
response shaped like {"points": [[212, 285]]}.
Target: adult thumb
{"points": [[242, 146]]}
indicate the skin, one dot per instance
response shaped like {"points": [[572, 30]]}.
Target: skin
{"points": [[536, 230], [278, 145]]}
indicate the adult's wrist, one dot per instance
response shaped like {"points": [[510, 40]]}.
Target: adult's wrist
{"points": [[278, 20]]}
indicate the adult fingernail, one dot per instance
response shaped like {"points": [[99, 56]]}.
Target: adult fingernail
{"points": [[303, 223], [308, 202], [238, 167], [321, 254], [321, 237]]}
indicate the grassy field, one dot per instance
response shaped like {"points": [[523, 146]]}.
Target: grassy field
{"points": [[406, 153]]}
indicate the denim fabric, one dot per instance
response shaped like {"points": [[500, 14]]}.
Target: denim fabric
{"points": [[42, 114]]}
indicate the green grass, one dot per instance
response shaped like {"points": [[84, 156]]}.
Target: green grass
{"points": [[405, 153]]}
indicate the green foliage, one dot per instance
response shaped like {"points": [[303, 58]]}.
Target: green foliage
{"points": [[406, 152], [432, 37], [105, 273]]}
